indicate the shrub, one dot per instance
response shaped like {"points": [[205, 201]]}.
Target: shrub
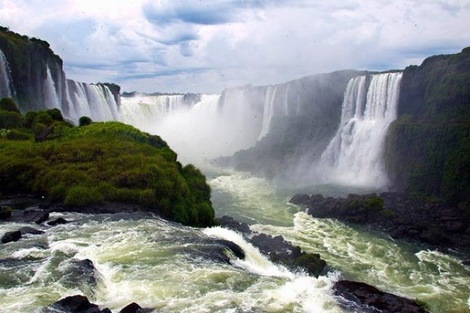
{"points": [[56, 115], [8, 104], [81, 195], [84, 121], [16, 134], [9, 119]]}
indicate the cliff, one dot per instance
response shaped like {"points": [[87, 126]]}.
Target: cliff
{"points": [[32, 74], [427, 148]]}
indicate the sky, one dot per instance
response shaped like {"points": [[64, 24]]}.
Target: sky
{"points": [[208, 45]]}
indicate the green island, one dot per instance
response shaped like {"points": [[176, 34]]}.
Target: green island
{"points": [[44, 155]]}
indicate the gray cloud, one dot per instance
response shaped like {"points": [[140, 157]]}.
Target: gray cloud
{"points": [[205, 46]]}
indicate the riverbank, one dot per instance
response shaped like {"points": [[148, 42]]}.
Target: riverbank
{"points": [[432, 223]]}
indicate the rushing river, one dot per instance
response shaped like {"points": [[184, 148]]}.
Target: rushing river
{"points": [[166, 266]]}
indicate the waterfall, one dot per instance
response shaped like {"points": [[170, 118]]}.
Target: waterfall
{"points": [[94, 101], [5, 81], [50, 97], [355, 154], [268, 111]]}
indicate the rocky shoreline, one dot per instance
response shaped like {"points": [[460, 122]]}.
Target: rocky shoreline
{"points": [[431, 223], [350, 294]]}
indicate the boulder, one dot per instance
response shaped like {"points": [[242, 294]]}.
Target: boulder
{"points": [[229, 222], [35, 215], [131, 308], [30, 230], [220, 250], [57, 221], [368, 299], [281, 251], [74, 304], [11, 236]]}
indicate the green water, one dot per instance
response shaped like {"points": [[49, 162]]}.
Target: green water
{"points": [[164, 266]]}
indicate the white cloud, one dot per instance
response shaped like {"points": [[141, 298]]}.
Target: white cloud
{"points": [[204, 46]]}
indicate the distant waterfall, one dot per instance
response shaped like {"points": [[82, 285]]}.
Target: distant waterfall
{"points": [[268, 111], [198, 127], [94, 101], [355, 154], [5, 81]]}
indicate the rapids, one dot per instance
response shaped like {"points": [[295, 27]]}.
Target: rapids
{"points": [[164, 266]]}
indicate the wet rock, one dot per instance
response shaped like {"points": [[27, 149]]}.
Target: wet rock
{"points": [[365, 298], [281, 251], [30, 230], [131, 308], [57, 221], [74, 304], [11, 236], [82, 272], [229, 222], [35, 215], [220, 250]]}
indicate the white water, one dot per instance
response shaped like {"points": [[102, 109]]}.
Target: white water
{"points": [[50, 97], [5, 81], [94, 101], [154, 263], [268, 111], [355, 154]]}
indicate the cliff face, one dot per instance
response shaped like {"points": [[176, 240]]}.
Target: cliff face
{"points": [[36, 79], [29, 61], [428, 147]]}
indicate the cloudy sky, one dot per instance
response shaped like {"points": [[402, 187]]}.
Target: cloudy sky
{"points": [[207, 45]]}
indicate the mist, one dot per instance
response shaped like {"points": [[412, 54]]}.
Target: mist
{"points": [[198, 129]]}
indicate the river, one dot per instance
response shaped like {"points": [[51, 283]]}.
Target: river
{"points": [[165, 266]]}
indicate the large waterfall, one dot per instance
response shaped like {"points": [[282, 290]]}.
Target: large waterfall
{"points": [[5, 81], [355, 154]]}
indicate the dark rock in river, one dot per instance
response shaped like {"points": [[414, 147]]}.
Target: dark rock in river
{"points": [[57, 221], [29, 230], [35, 215], [280, 251], [74, 304], [131, 308], [11, 236], [369, 299], [229, 222], [221, 251]]}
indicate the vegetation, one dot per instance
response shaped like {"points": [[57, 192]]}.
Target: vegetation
{"points": [[428, 146], [98, 162]]}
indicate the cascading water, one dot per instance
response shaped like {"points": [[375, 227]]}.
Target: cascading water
{"points": [[94, 101], [355, 154], [268, 111], [5, 81], [50, 98]]}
